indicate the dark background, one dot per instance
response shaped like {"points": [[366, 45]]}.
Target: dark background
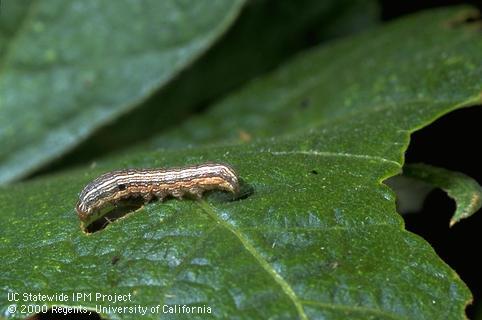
{"points": [[393, 9]]}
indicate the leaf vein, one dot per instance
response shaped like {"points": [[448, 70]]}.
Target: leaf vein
{"points": [[336, 154], [260, 259]]}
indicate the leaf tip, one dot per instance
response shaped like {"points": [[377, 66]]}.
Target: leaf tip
{"points": [[453, 221]]}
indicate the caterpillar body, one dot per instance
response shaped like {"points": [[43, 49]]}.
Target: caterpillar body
{"points": [[192, 181]]}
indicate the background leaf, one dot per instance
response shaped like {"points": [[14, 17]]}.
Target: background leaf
{"points": [[411, 193], [266, 34], [347, 82], [464, 190], [59, 80], [319, 237]]}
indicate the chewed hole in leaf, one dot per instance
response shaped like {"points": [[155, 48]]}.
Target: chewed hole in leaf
{"points": [[120, 210]]}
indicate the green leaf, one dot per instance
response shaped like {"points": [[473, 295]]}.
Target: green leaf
{"points": [[268, 31], [351, 81], [71, 67], [318, 237], [464, 190]]}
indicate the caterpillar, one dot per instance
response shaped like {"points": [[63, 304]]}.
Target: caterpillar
{"points": [[192, 181]]}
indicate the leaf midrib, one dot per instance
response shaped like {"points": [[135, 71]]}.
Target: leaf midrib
{"points": [[259, 258]]}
